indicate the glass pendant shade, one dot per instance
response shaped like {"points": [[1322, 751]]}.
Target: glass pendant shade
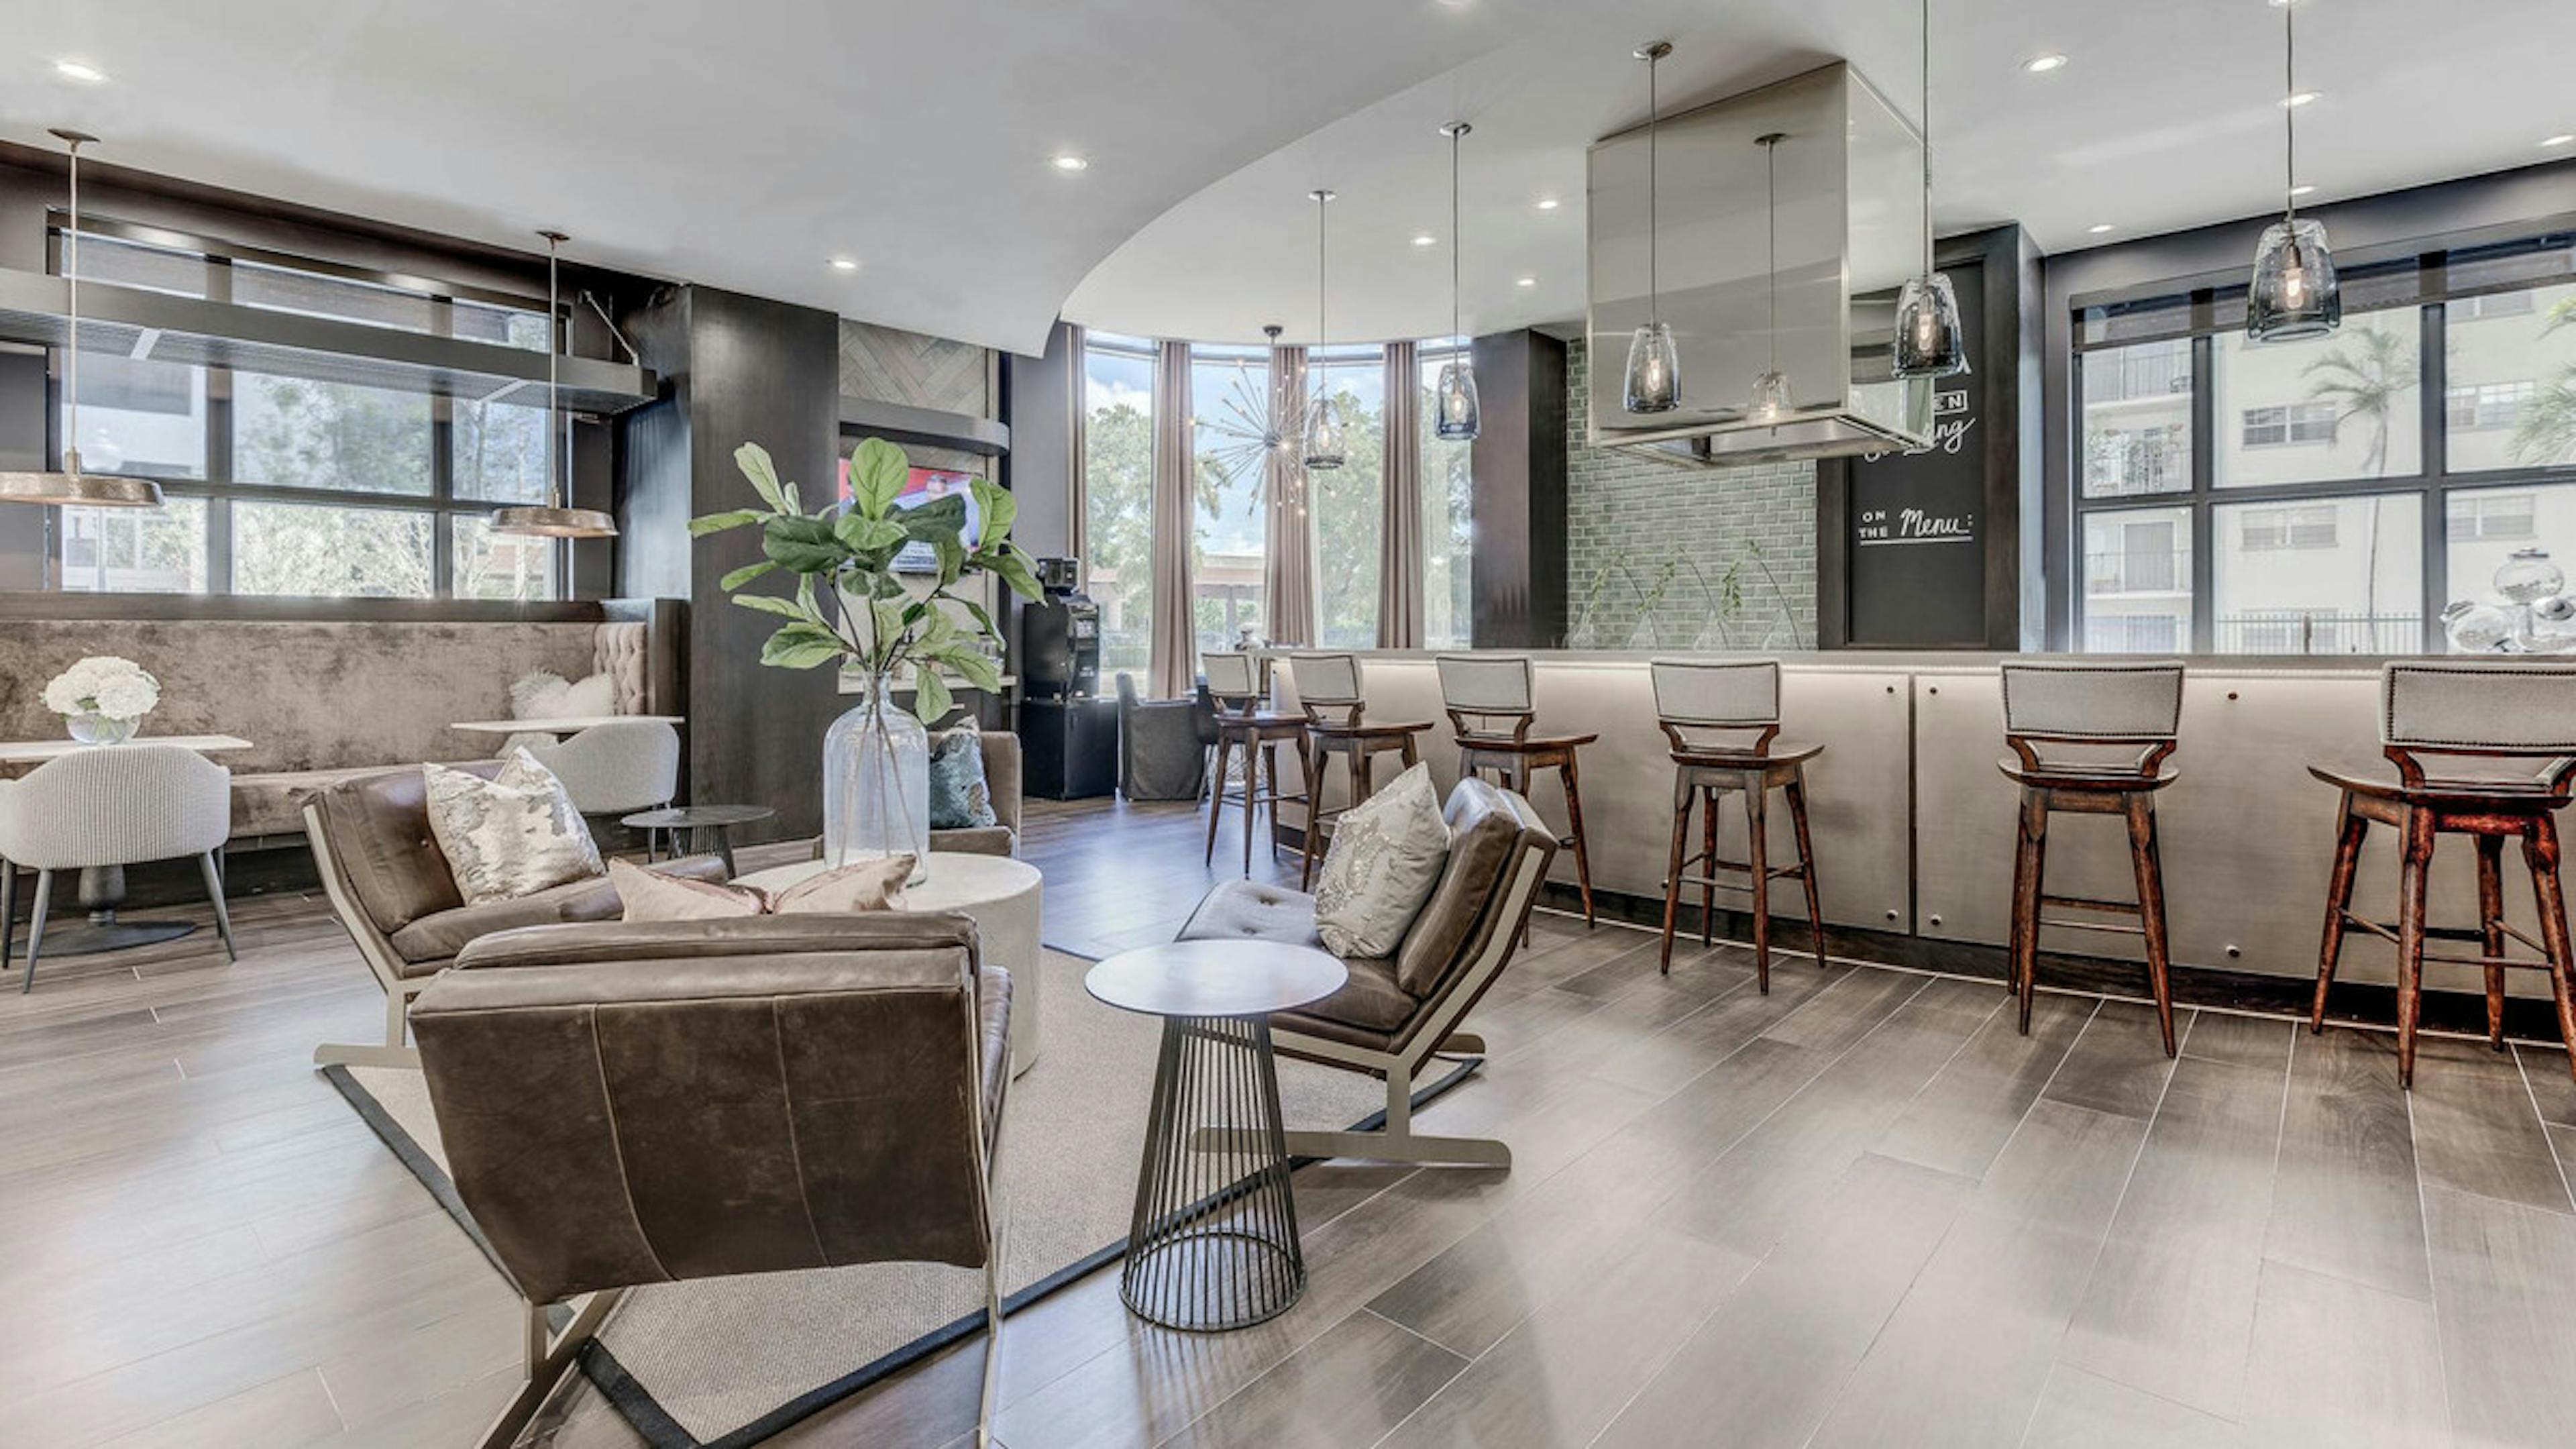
{"points": [[1457, 415], [1323, 451], [1928, 340], [1770, 402], [2294, 294], [1654, 370]]}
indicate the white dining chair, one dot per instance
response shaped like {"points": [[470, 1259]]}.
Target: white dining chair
{"points": [[617, 767], [111, 805]]}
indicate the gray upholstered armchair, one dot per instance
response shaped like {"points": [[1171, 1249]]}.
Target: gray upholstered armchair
{"points": [[101, 807], [616, 768], [1162, 745], [645, 1102], [1398, 1011]]}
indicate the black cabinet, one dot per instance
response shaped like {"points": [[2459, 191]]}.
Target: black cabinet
{"points": [[1069, 748]]}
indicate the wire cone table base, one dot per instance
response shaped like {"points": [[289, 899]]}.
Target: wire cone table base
{"points": [[1213, 1245]]}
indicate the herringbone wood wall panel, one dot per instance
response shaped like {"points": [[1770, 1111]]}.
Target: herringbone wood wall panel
{"points": [[887, 364]]}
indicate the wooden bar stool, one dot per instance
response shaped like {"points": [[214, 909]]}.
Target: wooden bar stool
{"points": [[1235, 682], [2461, 710], [1705, 709], [1328, 690], [1491, 700], [2109, 728]]}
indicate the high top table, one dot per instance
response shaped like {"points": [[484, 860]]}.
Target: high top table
{"points": [[1213, 1244], [102, 887]]}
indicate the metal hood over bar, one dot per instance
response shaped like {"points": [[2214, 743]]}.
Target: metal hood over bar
{"points": [[1846, 232], [131, 322]]}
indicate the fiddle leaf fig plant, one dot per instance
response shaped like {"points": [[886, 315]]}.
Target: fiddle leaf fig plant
{"points": [[847, 548]]}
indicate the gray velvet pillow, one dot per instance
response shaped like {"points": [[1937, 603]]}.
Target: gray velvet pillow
{"points": [[1385, 859]]}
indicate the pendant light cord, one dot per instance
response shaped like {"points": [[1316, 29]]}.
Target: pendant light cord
{"points": [[1771, 223], [1456, 130], [71, 353], [1927, 138], [1654, 175], [554, 387], [2289, 112]]}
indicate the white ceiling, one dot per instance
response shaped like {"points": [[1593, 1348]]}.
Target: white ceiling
{"points": [[744, 145]]}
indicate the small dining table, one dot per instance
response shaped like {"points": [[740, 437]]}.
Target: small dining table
{"points": [[102, 887], [566, 725]]}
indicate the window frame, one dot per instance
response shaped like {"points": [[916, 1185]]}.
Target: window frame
{"points": [[221, 489]]}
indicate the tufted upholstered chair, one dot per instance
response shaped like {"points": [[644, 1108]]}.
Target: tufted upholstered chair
{"points": [[111, 805], [648, 1102], [616, 768], [1397, 1011], [391, 888]]}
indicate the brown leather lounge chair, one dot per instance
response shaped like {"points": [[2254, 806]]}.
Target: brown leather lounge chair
{"points": [[392, 890], [1398, 1011], [647, 1102]]}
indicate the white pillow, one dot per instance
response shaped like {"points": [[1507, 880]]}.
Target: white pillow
{"points": [[548, 695], [1385, 859], [510, 836]]}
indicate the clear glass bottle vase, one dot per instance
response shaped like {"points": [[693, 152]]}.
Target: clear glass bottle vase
{"points": [[876, 782]]}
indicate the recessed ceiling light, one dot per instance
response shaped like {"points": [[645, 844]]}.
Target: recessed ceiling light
{"points": [[1548, 203], [2298, 98], [845, 264], [2558, 140], [2099, 227], [1069, 162], [1526, 282], [80, 70], [2302, 189], [2043, 64], [1426, 240]]}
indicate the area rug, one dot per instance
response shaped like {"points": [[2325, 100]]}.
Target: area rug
{"points": [[731, 1361]]}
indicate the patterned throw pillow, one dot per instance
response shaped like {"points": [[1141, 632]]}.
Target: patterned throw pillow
{"points": [[960, 797], [1385, 858], [510, 836], [652, 895]]}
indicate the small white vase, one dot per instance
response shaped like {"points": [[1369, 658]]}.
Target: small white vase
{"points": [[876, 783], [98, 729]]}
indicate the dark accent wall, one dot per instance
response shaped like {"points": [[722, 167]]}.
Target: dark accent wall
{"points": [[1039, 395], [738, 369], [1518, 463]]}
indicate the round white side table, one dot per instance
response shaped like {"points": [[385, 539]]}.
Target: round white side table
{"points": [[1000, 895]]}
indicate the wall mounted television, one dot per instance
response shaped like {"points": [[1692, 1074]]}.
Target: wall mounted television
{"points": [[921, 488]]}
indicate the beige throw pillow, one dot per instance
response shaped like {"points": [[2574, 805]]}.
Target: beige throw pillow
{"points": [[1385, 859], [510, 836], [652, 895]]}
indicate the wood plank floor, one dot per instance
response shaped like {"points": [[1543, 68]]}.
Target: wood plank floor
{"points": [[1860, 1210]]}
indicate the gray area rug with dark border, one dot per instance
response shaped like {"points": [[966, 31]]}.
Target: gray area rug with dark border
{"points": [[729, 1362]]}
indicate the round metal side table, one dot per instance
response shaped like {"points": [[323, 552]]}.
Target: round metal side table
{"points": [[662, 828], [1213, 1243]]}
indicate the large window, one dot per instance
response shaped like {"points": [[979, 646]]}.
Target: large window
{"points": [[1349, 502], [289, 485], [1229, 403], [1118, 496], [1448, 537], [2330, 495]]}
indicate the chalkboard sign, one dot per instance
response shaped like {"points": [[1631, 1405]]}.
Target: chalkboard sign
{"points": [[1915, 525]]}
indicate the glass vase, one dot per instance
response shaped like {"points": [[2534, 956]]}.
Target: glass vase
{"points": [[876, 783], [98, 729]]}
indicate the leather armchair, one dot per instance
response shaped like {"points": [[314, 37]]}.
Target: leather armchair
{"points": [[1397, 1011], [391, 888], [651, 1102]]}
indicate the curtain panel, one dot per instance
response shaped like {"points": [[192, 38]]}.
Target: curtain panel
{"points": [[1400, 603], [1288, 560], [1172, 658]]}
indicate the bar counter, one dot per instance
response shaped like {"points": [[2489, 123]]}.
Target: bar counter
{"points": [[1913, 824]]}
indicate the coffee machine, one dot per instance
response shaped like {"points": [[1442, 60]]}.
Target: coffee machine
{"points": [[1060, 637], [1068, 733]]}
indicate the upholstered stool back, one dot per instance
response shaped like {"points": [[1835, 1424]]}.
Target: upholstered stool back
{"points": [[2489, 707], [2093, 703], [1232, 677], [1327, 681]]}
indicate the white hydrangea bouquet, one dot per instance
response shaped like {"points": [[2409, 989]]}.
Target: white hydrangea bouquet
{"points": [[104, 697]]}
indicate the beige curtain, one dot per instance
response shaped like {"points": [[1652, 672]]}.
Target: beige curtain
{"points": [[1173, 658], [1079, 500], [1288, 562], [1399, 555]]}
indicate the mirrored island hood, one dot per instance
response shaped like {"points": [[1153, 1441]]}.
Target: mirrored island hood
{"points": [[1781, 258]]}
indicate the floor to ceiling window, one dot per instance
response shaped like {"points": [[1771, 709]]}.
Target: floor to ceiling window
{"points": [[279, 484], [1118, 496], [1348, 503], [2327, 496], [1448, 497], [1231, 432]]}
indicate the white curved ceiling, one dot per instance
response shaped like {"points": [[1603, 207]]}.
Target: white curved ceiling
{"points": [[744, 145], [2165, 117]]}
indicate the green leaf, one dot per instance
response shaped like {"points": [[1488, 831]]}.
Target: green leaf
{"points": [[1011, 565], [878, 470], [887, 618], [754, 462], [867, 535], [745, 574], [983, 619], [999, 511], [930, 697], [972, 665], [806, 545], [801, 646], [771, 604], [940, 518], [952, 560], [705, 524]]}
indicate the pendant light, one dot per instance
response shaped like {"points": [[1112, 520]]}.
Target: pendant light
{"points": [[1770, 402], [71, 486], [554, 520], [2294, 293], [1323, 450], [1654, 365], [1456, 414], [1928, 340]]}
